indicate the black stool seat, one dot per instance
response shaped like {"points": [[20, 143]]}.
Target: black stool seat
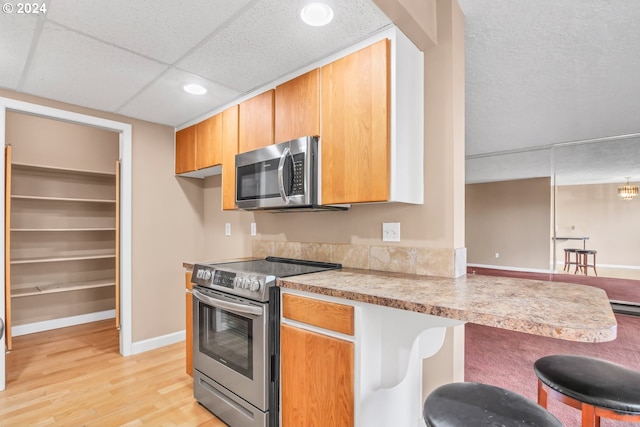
{"points": [[474, 404], [593, 381]]}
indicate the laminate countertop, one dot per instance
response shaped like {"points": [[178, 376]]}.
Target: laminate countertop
{"points": [[552, 309]]}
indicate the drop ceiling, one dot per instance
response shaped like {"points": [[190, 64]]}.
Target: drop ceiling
{"points": [[538, 73], [134, 57]]}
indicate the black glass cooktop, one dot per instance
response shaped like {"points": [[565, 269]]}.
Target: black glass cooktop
{"points": [[278, 267]]}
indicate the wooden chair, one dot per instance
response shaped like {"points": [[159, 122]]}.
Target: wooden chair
{"points": [[583, 260], [598, 388], [567, 259], [479, 405]]}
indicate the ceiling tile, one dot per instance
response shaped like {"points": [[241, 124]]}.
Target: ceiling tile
{"points": [[162, 30], [248, 53], [166, 102], [80, 70], [16, 33]]}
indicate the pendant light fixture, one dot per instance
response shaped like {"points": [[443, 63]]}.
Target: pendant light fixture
{"points": [[627, 191]]}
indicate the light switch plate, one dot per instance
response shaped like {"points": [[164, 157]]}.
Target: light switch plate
{"points": [[253, 228], [227, 229], [390, 231]]}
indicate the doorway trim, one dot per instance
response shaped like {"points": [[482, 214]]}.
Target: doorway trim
{"points": [[125, 135]]}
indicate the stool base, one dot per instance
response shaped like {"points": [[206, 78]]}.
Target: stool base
{"points": [[590, 414]]}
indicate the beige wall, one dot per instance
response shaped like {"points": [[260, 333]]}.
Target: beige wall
{"points": [[595, 211], [42, 141], [511, 218], [167, 224], [170, 213], [438, 223]]}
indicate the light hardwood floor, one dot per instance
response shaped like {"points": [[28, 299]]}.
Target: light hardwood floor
{"points": [[76, 377]]}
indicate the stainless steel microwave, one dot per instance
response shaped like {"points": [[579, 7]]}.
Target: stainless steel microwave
{"points": [[280, 177]]}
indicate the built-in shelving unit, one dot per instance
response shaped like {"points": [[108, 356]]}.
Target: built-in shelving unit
{"points": [[63, 229]]}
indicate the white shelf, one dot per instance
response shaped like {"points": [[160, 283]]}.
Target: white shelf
{"points": [[60, 287], [61, 199], [61, 229], [55, 169], [61, 259]]}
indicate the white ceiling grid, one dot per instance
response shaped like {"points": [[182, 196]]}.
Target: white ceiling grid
{"points": [[133, 57]]}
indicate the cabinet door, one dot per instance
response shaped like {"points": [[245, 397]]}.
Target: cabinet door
{"points": [[229, 151], [189, 324], [355, 127], [186, 150], [209, 142], [317, 379], [255, 122], [297, 110]]}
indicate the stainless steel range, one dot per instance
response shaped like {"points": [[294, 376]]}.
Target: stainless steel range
{"points": [[236, 337]]}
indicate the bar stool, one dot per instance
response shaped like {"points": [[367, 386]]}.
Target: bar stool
{"points": [[583, 260], [475, 404], [597, 387], [567, 259]]}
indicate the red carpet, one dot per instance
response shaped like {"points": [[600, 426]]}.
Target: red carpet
{"points": [[504, 358], [616, 289]]}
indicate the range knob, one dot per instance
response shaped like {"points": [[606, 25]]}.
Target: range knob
{"points": [[207, 275], [246, 282], [255, 285]]}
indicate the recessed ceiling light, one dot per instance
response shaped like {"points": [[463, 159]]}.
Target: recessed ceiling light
{"points": [[194, 89], [316, 14]]}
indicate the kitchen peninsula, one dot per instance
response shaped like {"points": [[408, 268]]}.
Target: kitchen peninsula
{"points": [[401, 319]]}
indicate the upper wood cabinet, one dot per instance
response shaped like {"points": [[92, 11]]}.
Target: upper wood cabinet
{"points": [[372, 130], [229, 151], [365, 103], [297, 107], [199, 147], [255, 122], [209, 142], [355, 127], [186, 150]]}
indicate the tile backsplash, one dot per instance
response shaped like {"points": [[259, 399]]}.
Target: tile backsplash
{"points": [[423, 261]]}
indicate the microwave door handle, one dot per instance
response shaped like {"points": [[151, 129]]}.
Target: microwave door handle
{"points": [[229, 306], [283, 160]]}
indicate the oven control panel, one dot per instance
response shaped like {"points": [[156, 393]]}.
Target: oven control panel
{"points": [[239, 283], [224, 278]]}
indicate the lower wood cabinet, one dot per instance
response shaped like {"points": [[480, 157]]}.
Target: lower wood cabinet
{"points": [[316, 379], [317, 369], [189, 324]]}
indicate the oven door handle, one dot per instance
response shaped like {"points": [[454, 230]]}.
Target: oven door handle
{"points": [[230, 306]]}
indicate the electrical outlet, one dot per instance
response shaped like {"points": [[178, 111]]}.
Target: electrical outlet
{"points": [[227, 229], [253, 228], [390, 231], [497, 255]]}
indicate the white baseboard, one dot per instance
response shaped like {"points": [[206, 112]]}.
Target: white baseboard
{"points": [[157, 342], [63, 322], [137, 347], [613, 266], [502, 267]]}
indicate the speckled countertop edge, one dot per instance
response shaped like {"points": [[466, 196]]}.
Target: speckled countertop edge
{"points": [[552, 309]]}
